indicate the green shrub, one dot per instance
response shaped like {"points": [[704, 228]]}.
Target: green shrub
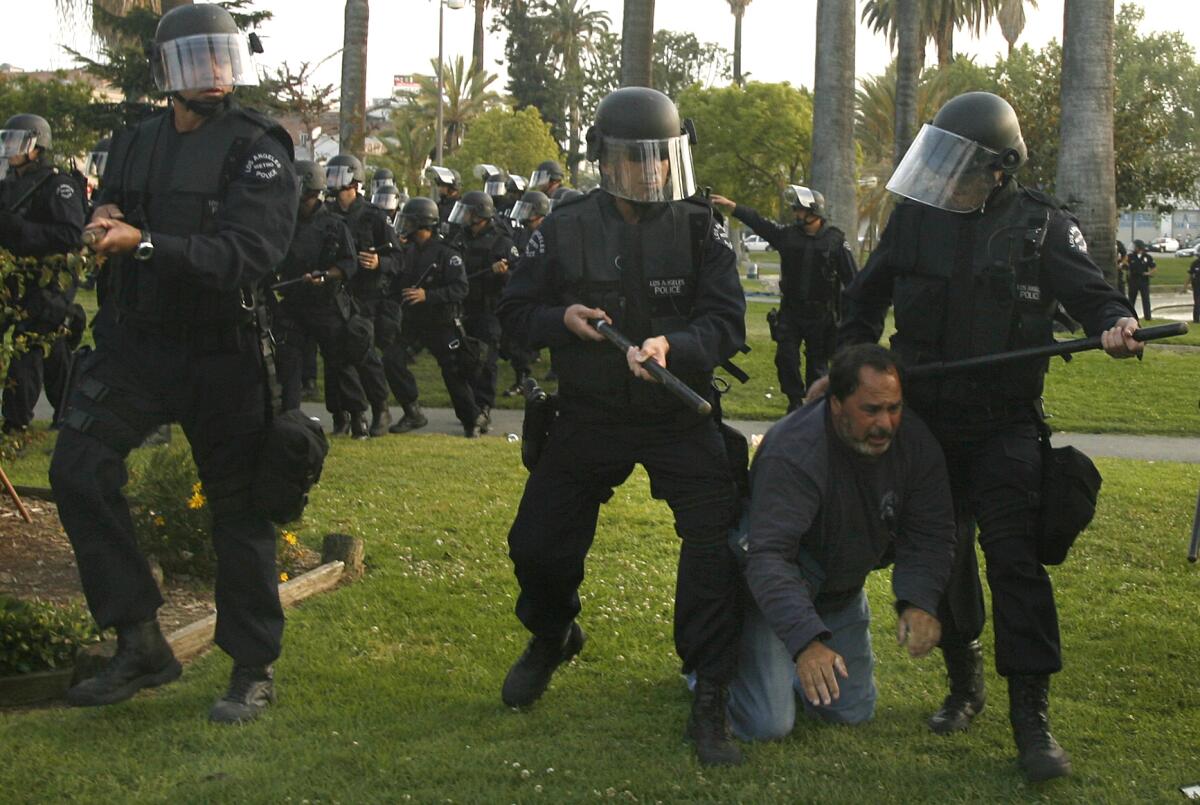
{"points": [[170, 514], [38, 636]]}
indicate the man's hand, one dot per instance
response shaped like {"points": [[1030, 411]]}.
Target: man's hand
{"points": [[654, 349], [500, 267], [723, 204], [113, 236], [817, 668], [817, 390], [919, 630], [577, 319], [1119, 342], [108, 211], [368, 260], [413, 296]]}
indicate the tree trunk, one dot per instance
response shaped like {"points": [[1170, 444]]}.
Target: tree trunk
{"points": [[1086, 162], [945, 42], [737, 45], [833, 170], [637, 44], [477, 47], [352, 116], [910, 55]]}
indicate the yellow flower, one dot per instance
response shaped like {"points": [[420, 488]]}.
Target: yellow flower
{"points": [[160, 520], [289, 538], [283, 576], [196, 501], [196, 488]]}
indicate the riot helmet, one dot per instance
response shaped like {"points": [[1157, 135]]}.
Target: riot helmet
{"points": [[545, 173], [643, 148], [472, 207], [98, 158], [22, 134], [515, 185], [1139, 245], [953, 161], [799, 197], [534, 204], [382, 178], [386, 198], [342, 171], [564, 194], [419, 213], [311, 176], [200, 47], [493, 180], [443, 177]]}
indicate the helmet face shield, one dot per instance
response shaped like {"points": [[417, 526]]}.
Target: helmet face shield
{"points": [[647, 170], [522, 211], [95, 164], [339, 177], [946, 171], [461, 215], [799, 197], [539, 179], [203, 61], [495, 187], [15, 142], [379, 184], [386, 198]]}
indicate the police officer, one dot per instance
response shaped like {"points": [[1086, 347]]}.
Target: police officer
{"points": [[387, 199], [322, 257], [514, 189], [974, 264], [489, 254], [1193, 280], [815, 264], [647, 255], [1141, 268], [447, 189], [527, 215], [41, 214], [382, 178], [547, 177], [375, 240], [432, 288], [198, 205]]}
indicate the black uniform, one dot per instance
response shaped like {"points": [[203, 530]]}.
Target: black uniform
{"points": [[672, 274], [813, 271], [511, 349], [220, 203], [41, 214], [976, 284], [371, 232], [308, 313], [481, 251], [1140, 265], [432, 324], [1194, 279]]}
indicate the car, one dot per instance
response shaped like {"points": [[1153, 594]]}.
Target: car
{"points": [[1166, 245], [754, 243], [1190, 251]]}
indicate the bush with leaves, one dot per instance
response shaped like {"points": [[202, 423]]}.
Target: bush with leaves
{"points": [[39, 636]]}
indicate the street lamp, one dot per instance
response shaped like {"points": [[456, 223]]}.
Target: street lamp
{"points": [[442, 4]]}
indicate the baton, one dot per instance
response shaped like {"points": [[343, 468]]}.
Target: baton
{"points": [[1194, 548], [289, 283], [1047, 351], [91, 237], [681, 390]]}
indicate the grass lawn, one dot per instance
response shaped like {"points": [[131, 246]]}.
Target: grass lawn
{"points": [[389, 688]]}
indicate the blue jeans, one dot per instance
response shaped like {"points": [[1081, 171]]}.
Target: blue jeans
{"points": [[762, 697]]}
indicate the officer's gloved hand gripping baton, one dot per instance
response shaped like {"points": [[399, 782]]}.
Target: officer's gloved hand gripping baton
{"points": [[681, 390], [1047, 351]]}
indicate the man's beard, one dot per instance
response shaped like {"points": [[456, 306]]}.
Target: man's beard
{"points": [[206, 108]]}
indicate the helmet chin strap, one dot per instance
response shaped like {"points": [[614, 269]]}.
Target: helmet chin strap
{"points": [[202, 108]]}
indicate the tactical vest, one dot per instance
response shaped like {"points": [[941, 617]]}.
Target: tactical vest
{"points": [[425, 267], [362, 218], [807, 277], [477, 252], [644, 276], [314, 247], [184, 198], [969, 285]]}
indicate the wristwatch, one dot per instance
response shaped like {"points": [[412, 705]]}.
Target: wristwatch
{"points": [[145, 249]]}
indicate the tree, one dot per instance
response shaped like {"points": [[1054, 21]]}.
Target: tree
{"points": [[408, 141], [291, 91], [516, 141], [681, 60], [571, 27], [467, 95], [352, 117], [637, 43], [833, 114], [477, 42], [738, 7], [66, 105], [910, 58], [940, 18]]}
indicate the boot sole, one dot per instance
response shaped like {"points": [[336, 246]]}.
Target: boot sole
{"points": [[572, 651], [164, 676], [1044, 773]]}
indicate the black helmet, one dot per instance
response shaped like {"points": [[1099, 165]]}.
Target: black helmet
{"points": [[1139, 244], [643, 148], [444, 177], [382, 177], [545, 173], [515, 184], [98, 158], [534, 204], [22, 133], [386, 197], [988, 120], [311, 176], [799, 197], [419, 213], [198, 46], [564, 194], [342, 171], [476, 204]]}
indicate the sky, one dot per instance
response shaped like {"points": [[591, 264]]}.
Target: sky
{"points": [[777, 35]]}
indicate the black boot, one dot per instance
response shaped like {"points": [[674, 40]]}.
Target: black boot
{"points": [[530, 675], [381, 418], [251, 690], [358, 425], [964, 664], [1038, 754], [341, 423], [485, 418], [708, 726], [473, 430], [143, 660], [413, 418]]}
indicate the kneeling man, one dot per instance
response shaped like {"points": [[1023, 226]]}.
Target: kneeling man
{"points": [[841, 487]]}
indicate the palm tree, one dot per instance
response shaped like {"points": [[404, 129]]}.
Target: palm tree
{"points": [[572, 28], [833, 113], [637, 43], [1011, 16], [467, 95], [738, 7], [1086, 163], [477, 46], [940, 18], [910, 58], [353, 110]]}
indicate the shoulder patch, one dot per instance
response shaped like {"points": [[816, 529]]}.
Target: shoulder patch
{"points": [[721, 234], [536, 245], [1075, 240], [515, 252], [66, 190], [262, 167], [456, 261]]}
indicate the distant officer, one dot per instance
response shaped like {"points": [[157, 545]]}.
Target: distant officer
{"points": [[514, 189], [815, 264], [1141, 267], [495, 185], [41, 214], [447, 189], [198, 206], [547, 177], [387, 197], [1193, 280], [382, 178], [527, 215], [432, 288]]}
